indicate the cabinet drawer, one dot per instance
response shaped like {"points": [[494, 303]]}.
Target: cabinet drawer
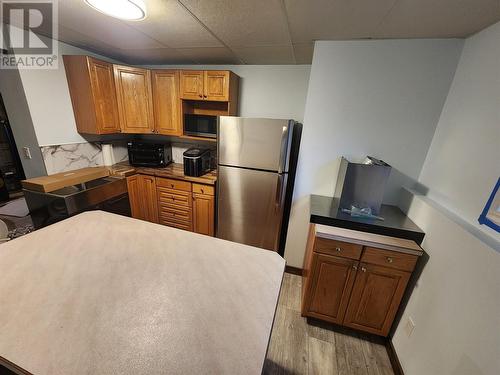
{"points": [[391, 259], [174, 197], [203, 189], [173, 184], [337, 248], [174, 213], [176, 224]]}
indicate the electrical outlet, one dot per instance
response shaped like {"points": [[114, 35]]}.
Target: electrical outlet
{"points": [[410, 326], [27, 152]]}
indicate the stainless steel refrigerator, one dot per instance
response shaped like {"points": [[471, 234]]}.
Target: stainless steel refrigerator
{"points": [[256, 168]]}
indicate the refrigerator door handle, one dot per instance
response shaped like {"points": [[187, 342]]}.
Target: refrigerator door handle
{"points": [[284, 149], [279, 192]]}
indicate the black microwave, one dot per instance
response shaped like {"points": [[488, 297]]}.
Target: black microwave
{"points": [[200, 125], [142, 154]]}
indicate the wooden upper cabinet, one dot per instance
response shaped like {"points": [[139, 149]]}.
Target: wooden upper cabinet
{"points": [[216, 85], [375, 298], [135, 105], [211, 85], [330, 287], [191, 86], [93, 96], [166, 102]]}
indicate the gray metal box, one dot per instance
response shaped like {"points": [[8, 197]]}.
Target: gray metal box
{"points": [[362, 185]]}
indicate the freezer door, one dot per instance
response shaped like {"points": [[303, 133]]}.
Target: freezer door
{"points": [[254, 143], [250, 206]]}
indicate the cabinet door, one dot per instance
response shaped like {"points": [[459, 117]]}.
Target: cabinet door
{"points": [[104, 95], [135, 197], [191, 84], [166, 102], [331, 283], [148, 188], [216, 85], [203, 214], [135, 107], [375, 298]]}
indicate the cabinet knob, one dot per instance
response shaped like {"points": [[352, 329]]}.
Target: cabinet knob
{"points": [[338, 249], [172, 186], [354, 267], [204, 96], [363, 269], [202, 191], [201, 96], [390, 260]]}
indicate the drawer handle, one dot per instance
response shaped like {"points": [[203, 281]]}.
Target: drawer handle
{"points": [[363, 269], [338, 249], [390, 260], [202, 192], [172, 185]]}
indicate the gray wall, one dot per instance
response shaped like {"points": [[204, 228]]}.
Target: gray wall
{"points": [[19, 115]]}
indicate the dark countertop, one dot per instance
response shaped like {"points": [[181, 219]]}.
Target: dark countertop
{"points": [[324, 210]]}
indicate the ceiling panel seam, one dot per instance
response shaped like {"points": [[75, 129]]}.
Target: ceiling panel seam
{"points": [[287, 23], [210, 31]]}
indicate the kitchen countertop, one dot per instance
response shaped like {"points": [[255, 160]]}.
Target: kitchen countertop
{"points": [[325, 210], [173, 170], [103, 293]]}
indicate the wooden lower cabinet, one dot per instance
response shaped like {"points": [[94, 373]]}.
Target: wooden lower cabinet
{"points": [[375, 298], [142, 197], [352, 292], [175, 203], [331, 285], [203, 214]]}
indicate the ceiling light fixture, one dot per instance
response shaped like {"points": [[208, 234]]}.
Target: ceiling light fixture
{"points": [[130, 10]]}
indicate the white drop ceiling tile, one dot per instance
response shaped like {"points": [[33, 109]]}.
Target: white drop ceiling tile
{"points": [[266, 55], [210, 55], [169, 23], [438, 19], [75, 14], [243, 23], [334, 19], [155, 56], [303, 53]]}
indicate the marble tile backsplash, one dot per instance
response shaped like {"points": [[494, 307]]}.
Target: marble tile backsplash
{"points": [[62, 158]]}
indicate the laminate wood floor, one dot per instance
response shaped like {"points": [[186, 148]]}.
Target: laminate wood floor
{"points": [[300, 347]]}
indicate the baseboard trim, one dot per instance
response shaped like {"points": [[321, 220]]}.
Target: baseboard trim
{"points": [[393, 357], [294, 270]]}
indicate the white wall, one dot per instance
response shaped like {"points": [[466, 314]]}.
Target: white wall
{"points": [[463, 163], [381, 98], [274, 91], [49, 102], [456, 305]]}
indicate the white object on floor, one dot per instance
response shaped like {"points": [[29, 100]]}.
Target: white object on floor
{"points": [[17, 208]]}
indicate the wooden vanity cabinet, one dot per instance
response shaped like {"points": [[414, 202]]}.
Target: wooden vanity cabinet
{"points": [[93, 95], [142, 197], [134, 95], [355, 285]]}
